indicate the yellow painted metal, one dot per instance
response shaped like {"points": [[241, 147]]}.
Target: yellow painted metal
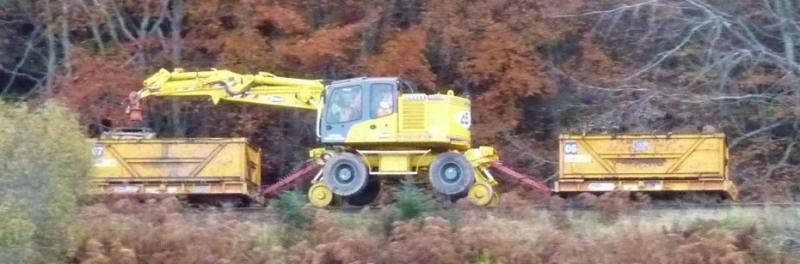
{"points": [[480, 194], [374, 131], [422, 121], [320, 195], [262, 88], [320, 153], [481, 156], [434, 119], [394, 162], [482, 174], [495, 200], [413, 161], [176, 166], [720, 186], [684, 162]]}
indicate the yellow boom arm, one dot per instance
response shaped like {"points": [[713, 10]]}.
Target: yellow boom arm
{"points": [[262, 88]]}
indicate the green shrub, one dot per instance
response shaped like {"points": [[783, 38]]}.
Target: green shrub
{"points": [[44, 162], [453, 215], [410, 201], [16, 234], [289, 207]]}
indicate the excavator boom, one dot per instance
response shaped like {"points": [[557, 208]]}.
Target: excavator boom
{"points": [[262, 88]]}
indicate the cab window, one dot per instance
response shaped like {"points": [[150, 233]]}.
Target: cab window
{"points": [[345, 105], [383, 100]]}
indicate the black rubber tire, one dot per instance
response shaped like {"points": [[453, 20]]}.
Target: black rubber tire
{"points": [[451, 173], [367, 195], [345, 173], [455, 197]]}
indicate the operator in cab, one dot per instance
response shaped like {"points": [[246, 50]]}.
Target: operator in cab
{"points": [[385, 105], [347, 105]]}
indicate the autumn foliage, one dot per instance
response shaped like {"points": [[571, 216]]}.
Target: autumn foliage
{"points": [[95, 87], [533, 69], [128, 231]]}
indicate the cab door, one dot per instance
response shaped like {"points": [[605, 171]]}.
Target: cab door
{"points": [[344, 108], [381, 125]]}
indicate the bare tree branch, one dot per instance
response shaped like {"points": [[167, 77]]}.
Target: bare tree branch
{"points": [[15, 72], [782, 162], [735, 142]]}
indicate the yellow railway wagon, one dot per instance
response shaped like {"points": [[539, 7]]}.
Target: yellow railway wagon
{"points": [[686, 163], [197, 167]]}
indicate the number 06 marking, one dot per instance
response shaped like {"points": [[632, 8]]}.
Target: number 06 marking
{"points": [[570, 148]]}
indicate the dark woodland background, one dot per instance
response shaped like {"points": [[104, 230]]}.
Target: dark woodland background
{"points": [[533, 69]]}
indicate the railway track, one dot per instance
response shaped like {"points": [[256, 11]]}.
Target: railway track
{"points": [[729, 205], [258, 209], [262, 210]]}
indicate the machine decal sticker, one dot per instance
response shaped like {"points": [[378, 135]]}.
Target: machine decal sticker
{"points": [[570, 148], [464, 119], [97, 150], [641, 145], [126, 189], [334, 137], [601, 186], [105, 163], [571, 153], [275, 98], [582, 158], [202, 188]]}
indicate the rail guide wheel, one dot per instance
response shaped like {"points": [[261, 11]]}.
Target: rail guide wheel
{"points": [[495, 199], [482, 194], [320, 195]]}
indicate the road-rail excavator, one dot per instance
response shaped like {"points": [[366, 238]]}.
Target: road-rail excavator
{"points": [[373, 131], [369, 128]]}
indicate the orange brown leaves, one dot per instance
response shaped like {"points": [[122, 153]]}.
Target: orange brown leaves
{"points": [[404, 55], [506, 74], [245, 51], [491, 50], [98, 87], [430, 243], [595, 63], [505, 64], [330, 243], [272, 19], [205, 26], [144, 7], [327, 50]]}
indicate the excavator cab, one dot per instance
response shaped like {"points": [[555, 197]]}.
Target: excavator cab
{"points": [[372, 113], [360, 110]]}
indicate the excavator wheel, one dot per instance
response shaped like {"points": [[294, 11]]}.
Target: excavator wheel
{"points": [[367, 195], [481, 194], [345, 174], [320, 195], [451, 173]]}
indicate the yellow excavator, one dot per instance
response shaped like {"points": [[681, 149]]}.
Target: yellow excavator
{"points": [[369, 128]]}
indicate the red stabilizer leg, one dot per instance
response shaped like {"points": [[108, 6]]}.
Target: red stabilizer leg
{"points": [[292, 179], [522, 178]]}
